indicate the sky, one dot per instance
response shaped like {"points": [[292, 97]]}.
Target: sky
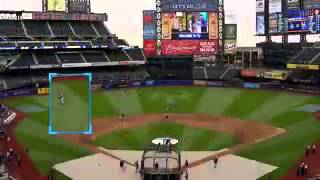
{"points": [[125, 17]]}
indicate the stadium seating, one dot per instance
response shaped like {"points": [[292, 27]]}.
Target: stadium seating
{"points": [[46, 58], [70, 57], [101, 28], [199, 73], [61, 29], [120, 42], [24, 61], [231, 74], [83, 29], [215, 72], [136, 54], [117, 55], [305, 56], [97, 56], [54, 44], [7, 44], [11, 28], [37, 28]]}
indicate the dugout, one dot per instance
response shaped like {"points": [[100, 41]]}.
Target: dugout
{"points": [[167, 157]]}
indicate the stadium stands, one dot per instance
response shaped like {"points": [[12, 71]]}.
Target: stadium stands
{"points": [[101, 28], [61, 29], [23, 61], [199, 73], [37, 28], [11, 28], [83, 29], [305, 56], [135, 54], [95, 56], [46, 58], [70, 57], [117, 55], [215, 72]]}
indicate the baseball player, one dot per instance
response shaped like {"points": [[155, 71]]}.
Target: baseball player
{"points": [[61, 98]]}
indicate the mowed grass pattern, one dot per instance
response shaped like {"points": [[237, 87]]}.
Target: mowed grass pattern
{"points": [[192, 139], [73, 116], [274, 108]]}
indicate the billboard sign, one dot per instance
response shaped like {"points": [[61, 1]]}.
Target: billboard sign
{"points": [[307, 21], [293, 4], [276, 23], [230, 31], [56, 5], [275, 6], [189, 47], [150, 47], [149, 25], [260, 6], [213, 25], [307, 4], [188, 5], [78, 6], [230, 46], [260, 25]]}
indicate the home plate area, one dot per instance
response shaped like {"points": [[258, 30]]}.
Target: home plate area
{"points": [[106, 164]]}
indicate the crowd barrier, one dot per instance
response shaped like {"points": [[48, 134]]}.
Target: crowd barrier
{"points": [[152, 83]]}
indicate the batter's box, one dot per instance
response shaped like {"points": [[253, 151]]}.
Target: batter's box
{"points": [[70, 103]]}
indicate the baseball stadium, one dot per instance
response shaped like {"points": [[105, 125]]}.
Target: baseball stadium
{"points": [[78, 102]]}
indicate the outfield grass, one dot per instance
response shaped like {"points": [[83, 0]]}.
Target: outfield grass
{"points": [[274, 108], [73, 115], [191, 139]]}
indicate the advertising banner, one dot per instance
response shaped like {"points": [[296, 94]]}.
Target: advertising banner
{"points": [[311, 4], [149, 24], [188, 5], [199, 83], [188, 47], [248, 73], [230, 31], [260, 6], [303, 66], [56, 5], [213, 25], [43, 91], [251, 85], [230, 46], [275, 6], [293, 4], [260, 25], [215, 83], [149, 47], [24, 92]]}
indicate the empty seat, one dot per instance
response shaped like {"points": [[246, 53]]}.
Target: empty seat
{"points": [[46, 58], [101, 28], [70, 57], [135, 54]]}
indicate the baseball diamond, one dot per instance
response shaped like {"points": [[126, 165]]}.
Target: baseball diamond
{"points": [[187, 90]]}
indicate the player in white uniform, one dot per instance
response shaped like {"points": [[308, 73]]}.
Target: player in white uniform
{"points": [[61, 98]]}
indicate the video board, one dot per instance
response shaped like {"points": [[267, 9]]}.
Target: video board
{"points": [[260, 30], [149, 24], [307, 21], [307, 4], [185, 25], [189, 5], [56, 5], [276, 23], [275, 6]]}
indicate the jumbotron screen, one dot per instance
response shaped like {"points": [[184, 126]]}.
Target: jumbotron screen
{"points": [[189, 33], [307, 21]]}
